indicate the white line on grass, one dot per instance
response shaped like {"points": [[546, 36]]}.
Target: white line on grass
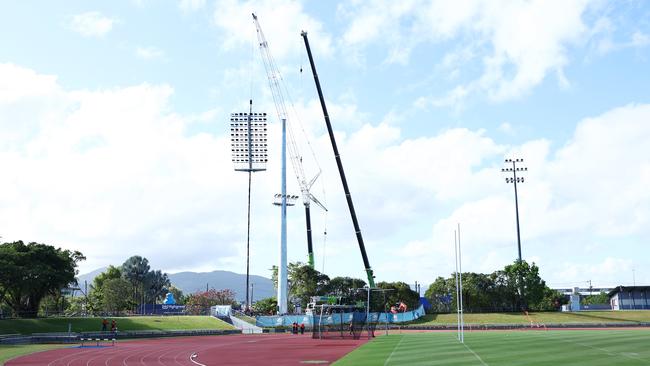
{"points": [[475, 355], [394, 349]]}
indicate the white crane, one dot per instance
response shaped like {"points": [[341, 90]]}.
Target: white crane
{"points": [[275, 80]]}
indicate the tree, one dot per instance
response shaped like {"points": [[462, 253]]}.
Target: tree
{"points": [[525, 280], [135, 270], [601, 298], [201, 301], [96, 295], [303, 282], [116, 293], [551, 301], [306, 282], [266, 306], [156, 285], [344, 286], [30, 272], [441, 293], [401, 292]]}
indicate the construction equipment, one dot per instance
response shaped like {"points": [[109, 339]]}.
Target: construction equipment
{"points": [[275, 79], [339, 164]]}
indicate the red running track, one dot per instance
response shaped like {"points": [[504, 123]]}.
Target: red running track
{"points": [[275, 349]]}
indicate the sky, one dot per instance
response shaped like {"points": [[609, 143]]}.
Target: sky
{"points": [[115, 135]]}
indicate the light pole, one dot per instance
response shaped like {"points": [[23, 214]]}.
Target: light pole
{"points": [[249, 154], [515, 179], [252, 293]]}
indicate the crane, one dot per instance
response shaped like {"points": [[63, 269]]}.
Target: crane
{"points": [[275, 78], [339, 164]]}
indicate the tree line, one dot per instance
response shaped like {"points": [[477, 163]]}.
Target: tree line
{"points": [[305, 282], [516, 287], [35, 276]]}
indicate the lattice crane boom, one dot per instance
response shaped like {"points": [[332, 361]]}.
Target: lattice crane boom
{"points": [[275, 83]]}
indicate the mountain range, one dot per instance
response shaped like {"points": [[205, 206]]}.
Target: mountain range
{"points": [[190, 282]]}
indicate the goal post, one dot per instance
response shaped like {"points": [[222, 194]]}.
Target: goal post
{"points": [[361, 316]]}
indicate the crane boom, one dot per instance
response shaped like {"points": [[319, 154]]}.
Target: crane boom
{"points": [[275, 79], [339, 164]]}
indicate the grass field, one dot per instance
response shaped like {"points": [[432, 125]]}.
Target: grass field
{"points": [[8, 352], [47, 325], [565, 347], [545, 317], [245, 318]]}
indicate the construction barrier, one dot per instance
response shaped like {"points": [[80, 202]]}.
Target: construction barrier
{"points": [[287, 320]]}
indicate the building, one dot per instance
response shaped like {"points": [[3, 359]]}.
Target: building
{"points": [[629, 298]]}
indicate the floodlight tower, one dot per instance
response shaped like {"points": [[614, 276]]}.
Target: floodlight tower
{"points": [[248, 140], [514, 170], [283, 200]]}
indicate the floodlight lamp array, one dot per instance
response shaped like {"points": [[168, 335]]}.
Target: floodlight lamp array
{"points": [[514, 169], [512, 180], [290, 199], [249, 142]]}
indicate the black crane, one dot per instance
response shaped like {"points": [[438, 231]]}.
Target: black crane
{"points": [[339, 164]]}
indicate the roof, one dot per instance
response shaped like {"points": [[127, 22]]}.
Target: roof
{"points": [[618, 289]]}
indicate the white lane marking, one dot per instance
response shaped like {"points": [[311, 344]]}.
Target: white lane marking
{"points": [[475, 355], [394, 349], [192, 357]]}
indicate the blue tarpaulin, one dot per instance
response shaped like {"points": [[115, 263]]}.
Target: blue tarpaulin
{"points": [[287, 320]]}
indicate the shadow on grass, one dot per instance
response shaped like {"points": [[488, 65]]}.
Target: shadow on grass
{"points": [[608, 318]]}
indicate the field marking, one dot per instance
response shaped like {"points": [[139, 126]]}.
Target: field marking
{"points": [[192, 357], [394, 349], [475, 355], [609, 353]]}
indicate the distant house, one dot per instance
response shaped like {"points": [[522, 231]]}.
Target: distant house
{"points": [[629, 298]]}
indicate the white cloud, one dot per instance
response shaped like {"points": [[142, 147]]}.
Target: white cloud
{"points": [[115, 172], [640, 39], [281, 21], [520, 41], [506, 128], [91, 24], [149, 53], [19, 83]]}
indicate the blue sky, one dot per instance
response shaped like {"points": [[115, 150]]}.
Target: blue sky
{"points": [[114, 132]]}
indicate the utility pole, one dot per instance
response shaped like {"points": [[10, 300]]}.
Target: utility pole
{"points": [[515, 179]]}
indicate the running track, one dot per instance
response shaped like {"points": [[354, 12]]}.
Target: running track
{"points": [[276, 349]]}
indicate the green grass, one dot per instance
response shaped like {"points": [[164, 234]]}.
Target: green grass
{"points": [[544, 317], [493, 348], [8, 352], [246, 318], [47, 325]]}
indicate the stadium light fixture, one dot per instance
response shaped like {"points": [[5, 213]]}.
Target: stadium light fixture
{"points": [[249, 148], [515, 179]]}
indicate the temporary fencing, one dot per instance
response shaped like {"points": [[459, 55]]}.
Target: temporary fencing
{"points": [[288, 320]]}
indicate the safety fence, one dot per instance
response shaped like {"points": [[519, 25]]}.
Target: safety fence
{"points": [[288, 320]]}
